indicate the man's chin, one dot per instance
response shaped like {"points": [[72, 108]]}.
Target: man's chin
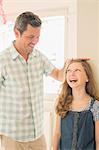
{"points": [[30, 50]]}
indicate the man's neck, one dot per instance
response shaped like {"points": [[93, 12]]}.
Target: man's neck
{"points": [[21, 52]]}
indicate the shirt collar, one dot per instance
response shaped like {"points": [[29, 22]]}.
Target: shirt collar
{"points": [[13, 51], [15, 54]]}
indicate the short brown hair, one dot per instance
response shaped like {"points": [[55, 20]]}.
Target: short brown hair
{"points": [[27, 18]]}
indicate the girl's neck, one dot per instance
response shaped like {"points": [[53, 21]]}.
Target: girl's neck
{"points": [[80, 95], [80, 100]]}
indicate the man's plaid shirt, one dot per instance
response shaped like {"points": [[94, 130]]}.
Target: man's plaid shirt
{"points": [[21, 94]]}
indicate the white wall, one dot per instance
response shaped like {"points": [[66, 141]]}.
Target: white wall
{"points": [[88, 32], [14, 7], [98, 43], [87, 28]]}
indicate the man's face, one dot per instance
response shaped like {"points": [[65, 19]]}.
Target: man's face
{"points": [[28, 39]]}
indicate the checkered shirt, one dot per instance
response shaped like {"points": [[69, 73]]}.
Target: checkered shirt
{"points": [[21, 94]]}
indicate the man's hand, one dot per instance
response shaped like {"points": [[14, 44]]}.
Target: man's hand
{"points": [[82, 58], [68, 60]]}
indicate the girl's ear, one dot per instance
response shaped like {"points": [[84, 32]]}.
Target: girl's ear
{"points": [[87, 80], [17, 33]]}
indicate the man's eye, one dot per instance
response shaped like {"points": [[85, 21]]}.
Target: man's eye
{"points": [[31, 37]]}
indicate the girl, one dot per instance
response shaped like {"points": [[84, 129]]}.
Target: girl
{"points": [[77, 109]]}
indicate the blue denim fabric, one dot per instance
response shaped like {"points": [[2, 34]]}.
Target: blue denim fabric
{"points": [[85, 133]]}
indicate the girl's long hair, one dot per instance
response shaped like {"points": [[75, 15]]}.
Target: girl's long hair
{"points": [[65, 97]]}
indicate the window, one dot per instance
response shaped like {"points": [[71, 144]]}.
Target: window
{"points": [[6, 35], [52, 45]]}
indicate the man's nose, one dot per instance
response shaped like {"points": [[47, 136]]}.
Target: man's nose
{"points": [[34, 41]]}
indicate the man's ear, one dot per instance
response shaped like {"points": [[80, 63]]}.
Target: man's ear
{"points": [[17, 33]]}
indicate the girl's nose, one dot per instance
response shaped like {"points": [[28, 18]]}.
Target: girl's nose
{"points": [[72, 72]]}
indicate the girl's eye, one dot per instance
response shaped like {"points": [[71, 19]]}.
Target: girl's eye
{"points": [[77, 70], [68, 70]]}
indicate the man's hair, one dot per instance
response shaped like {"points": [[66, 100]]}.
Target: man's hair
{"points": [[27, 18]]}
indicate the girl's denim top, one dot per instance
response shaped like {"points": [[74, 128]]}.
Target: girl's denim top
{"points": [[78, 130]]}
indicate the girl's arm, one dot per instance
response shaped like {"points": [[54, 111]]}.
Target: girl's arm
{"points": [[97, 134], [57, 134]]}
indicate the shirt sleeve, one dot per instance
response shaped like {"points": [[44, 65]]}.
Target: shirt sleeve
{"points": [[47, 65], [1, 78], [1, 71], [95, 110]]}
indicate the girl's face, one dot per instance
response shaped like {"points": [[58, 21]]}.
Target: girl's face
{"points": [[76, 75]]}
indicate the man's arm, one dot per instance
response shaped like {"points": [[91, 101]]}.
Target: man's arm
{"points": [[57, 74], [1, 77]]}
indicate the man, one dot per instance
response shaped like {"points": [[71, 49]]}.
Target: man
{"points": [[21, 87]]}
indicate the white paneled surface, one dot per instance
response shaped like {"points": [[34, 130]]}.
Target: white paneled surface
{"points": [[49, 106]]}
